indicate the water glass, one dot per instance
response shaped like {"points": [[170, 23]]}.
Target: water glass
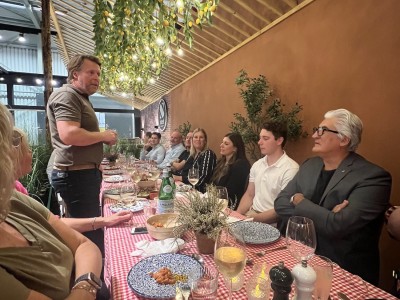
{"points": [[258, 288], [149, 209], [206, 286], [323, 267], [237, 281]]}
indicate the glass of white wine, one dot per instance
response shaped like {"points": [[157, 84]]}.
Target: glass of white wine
{"points": [[230, 254], [193, 176], [223, 196]]}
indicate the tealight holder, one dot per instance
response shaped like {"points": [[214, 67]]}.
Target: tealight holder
{"points": [[258, 288]]}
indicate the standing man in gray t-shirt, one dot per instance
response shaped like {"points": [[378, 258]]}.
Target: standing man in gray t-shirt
{"points": [[78, 142]]}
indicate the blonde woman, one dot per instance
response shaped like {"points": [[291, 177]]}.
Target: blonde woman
{"points": [[37, 251], [201, 158], [23, 166]]}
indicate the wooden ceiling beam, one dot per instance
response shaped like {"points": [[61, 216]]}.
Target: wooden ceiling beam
{"points": [[60, 36], [238, 16], [253, 11], [268, 5], [291, 3]]}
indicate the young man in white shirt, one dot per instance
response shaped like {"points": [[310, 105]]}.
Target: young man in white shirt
{"points": [[269, 175]]}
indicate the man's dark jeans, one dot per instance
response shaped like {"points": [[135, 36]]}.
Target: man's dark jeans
{"points": [[80, 191]]}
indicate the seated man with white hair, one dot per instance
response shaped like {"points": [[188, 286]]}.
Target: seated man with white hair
{"points": [[344, 194], [174, 151]]}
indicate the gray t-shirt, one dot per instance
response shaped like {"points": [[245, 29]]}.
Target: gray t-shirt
{"points": [[68, 104]]}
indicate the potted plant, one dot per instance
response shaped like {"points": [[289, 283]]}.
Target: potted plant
{"points": [[261, 106], [203, 215]]}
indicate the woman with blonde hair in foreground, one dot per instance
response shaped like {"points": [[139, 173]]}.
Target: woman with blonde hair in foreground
{"points": [[23, 166], [38, 252]]}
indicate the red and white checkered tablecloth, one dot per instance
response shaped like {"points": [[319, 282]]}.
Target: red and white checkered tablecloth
{"points": [[119, 243]]}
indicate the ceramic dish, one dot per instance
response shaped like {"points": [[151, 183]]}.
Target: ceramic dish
{"points": [[117, 192], [257, 233], [112, 172], [138, 206], [114, 178], [147, 287]]}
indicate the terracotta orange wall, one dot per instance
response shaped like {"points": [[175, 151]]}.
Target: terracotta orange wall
{"points": [[330, 54]]}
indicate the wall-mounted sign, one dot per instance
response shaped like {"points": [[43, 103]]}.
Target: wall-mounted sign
{"points": [[162, 115]]}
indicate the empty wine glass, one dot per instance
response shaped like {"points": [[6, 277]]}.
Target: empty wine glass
{"points": [[301, 239], [230, 254], [193, 176]]}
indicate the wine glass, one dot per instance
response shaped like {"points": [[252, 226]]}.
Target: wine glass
{"points": [[193, 176], [230, 254], [301, 239], [222, 193]]}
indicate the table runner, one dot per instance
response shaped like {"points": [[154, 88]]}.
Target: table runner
{"points": [[119, 243]]}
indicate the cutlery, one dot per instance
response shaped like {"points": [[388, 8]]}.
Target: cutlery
{"points": [[198, 258], [250, 261], [342, 296]]}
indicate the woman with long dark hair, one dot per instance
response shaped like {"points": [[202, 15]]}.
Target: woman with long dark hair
{"points": [[232, 168]]}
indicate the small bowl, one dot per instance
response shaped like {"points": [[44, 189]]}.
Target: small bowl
{"points": [[168, 221]]}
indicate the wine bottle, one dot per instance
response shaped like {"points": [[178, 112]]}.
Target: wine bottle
{"points": [[165, 195]]}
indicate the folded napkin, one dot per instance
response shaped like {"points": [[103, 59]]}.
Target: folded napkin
{"points": [[147, 248]]}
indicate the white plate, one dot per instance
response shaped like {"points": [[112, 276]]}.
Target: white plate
{"points": [[114, 178], [138, 206]]}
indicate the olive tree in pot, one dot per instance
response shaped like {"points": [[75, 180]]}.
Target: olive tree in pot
{"points": [[261, 106]]}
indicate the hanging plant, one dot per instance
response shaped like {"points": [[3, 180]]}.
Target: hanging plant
{"points": [[134, 39]]}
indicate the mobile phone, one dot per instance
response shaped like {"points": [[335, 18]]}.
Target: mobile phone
{"points": [[138, 230]]}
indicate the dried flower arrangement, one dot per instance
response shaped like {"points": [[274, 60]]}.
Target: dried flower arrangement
{"points": [[201, 213]]}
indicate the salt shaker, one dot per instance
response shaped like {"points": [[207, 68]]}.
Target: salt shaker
{"points": [[304, 277], [281, 281]]}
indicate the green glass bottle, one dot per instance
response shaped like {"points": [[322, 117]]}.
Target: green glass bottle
{"points": [[171, 180], [165, 195]]}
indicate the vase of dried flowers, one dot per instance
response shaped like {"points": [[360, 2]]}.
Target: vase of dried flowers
{"points": [[203, 215]]}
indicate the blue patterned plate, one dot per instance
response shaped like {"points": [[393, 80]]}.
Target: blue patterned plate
{"points": [[140, 281], [257, 233]]}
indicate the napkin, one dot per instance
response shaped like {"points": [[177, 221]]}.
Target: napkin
{"points": [[147, 248]]}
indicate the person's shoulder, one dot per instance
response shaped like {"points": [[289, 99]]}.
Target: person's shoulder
{"points": [[290, 162], [361, 164], [241, 162]]}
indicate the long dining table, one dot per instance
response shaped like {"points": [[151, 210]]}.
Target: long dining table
{"points": [[119, 243]]}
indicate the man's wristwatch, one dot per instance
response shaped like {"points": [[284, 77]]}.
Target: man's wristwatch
{"points": [[90, 278]]}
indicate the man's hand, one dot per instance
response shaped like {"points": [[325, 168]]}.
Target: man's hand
{"points": [[340, 206], [110, 137], [297, 198]]}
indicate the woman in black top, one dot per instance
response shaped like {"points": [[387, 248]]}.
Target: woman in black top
{"points": [[233, 168], [201, 158]]}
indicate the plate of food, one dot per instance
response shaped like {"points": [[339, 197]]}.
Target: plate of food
{"points": [[114, 178], [160, 274], [133, 207], [257, 233], [116, 192], [112, 172], [183, 188]]}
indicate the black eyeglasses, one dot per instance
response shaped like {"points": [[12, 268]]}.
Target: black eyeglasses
{"points": [[320, 130]]}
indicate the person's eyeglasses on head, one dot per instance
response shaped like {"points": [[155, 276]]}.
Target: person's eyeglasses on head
{"points": [[320, 130], [16, 139]]}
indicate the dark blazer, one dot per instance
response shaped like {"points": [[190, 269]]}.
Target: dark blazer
{"points": [[351, 236], [235, 181]]}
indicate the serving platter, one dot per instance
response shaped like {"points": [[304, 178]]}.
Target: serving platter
{"points": [[116, 207], [257, 233], [147, 287], [114, 178]]}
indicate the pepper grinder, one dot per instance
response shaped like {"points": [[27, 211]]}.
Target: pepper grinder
{"points": [[281, 281], [304, 277]]}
